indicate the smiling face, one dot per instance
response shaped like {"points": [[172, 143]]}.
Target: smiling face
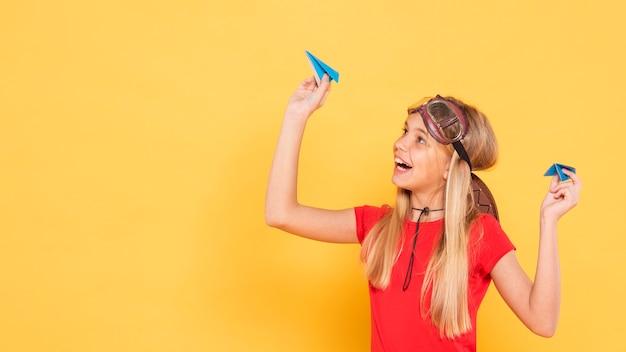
{"points": [[421, 163]]}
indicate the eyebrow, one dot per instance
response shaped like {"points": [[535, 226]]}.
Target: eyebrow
{"points": [[406, 126]]}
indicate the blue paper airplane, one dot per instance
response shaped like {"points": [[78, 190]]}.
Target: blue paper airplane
{"points": [[555, 169], [319, 68]]}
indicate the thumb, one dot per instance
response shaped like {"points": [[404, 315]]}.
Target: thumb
{"points": [[321, 93], [554, 182]]}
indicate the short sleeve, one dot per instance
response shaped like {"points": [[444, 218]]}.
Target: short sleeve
{"points": [[366, 217], [489, 245]]}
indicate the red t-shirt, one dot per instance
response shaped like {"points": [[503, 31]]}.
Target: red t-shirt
{"points": [[396, 320]]}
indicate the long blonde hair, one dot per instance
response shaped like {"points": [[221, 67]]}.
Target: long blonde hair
{"points": [[448, 270]]}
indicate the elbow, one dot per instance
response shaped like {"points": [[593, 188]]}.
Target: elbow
{"points": [[546, 330], [548, 333], [274, 219], [271, 219], [280, 215]]}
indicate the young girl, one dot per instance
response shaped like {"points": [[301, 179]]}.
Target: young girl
{"points": [[429, 260]]}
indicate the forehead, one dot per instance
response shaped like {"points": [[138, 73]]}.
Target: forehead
{"points": [[415, 121]]}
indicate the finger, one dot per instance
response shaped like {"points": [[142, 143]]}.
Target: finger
{"points": [[306, 84], [572, 175], [554, 182], [324, 97], [562, 186], [325, 82], [567, 198], [565, 190], [323, 89], [560, 193]]}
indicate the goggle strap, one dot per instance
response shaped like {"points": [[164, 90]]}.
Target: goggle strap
{"points": [[458, 146], [483, 199]]}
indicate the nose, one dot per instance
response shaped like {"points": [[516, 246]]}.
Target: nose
{"points": [[400, 144]]}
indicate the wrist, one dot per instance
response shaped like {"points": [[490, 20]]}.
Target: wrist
{"points": [[548, 222], [299, 112]]}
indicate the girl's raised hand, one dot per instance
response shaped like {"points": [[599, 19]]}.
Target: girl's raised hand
{"points": [[562, 196], [309, 96]]}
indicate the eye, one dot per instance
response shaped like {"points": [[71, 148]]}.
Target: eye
{"points": [[404, 131], [421, 140]]}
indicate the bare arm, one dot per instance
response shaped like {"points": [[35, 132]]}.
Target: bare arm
{"points": [[282, 209], [537, 304]]}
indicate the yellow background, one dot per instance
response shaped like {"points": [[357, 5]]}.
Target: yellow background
{"points": [[136, 139]]}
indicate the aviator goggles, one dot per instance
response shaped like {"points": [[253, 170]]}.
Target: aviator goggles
{"points": [[445, 122]]}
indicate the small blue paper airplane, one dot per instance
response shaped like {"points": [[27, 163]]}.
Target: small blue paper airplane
{"points": [[555, 169], [319, 68]]}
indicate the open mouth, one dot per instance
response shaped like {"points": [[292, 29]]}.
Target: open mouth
{"points": [[400, 164]]}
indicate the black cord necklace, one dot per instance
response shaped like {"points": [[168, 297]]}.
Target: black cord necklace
{"points": [[427, 210], [409, 269]]}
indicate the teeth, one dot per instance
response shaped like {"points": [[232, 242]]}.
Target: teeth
{"points": [[401, 163]]}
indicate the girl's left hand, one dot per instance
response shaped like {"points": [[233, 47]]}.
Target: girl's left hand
{"points": [[562, 196], [309, 96]]}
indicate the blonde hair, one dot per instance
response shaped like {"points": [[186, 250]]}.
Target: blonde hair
{"points": [[448, 269]]}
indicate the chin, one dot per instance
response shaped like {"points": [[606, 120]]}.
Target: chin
{"points": [[398, 183]]}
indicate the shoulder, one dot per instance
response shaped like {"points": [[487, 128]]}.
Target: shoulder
{"points": [[485, 219], [368, 213], [375, 211], [486, 225], [367, 216]]}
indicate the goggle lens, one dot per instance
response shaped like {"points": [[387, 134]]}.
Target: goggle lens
{"points": [[445, 122], [446, 118]]}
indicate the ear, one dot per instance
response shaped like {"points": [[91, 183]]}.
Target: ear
{"points": [[445, 159], [446, 171]]}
